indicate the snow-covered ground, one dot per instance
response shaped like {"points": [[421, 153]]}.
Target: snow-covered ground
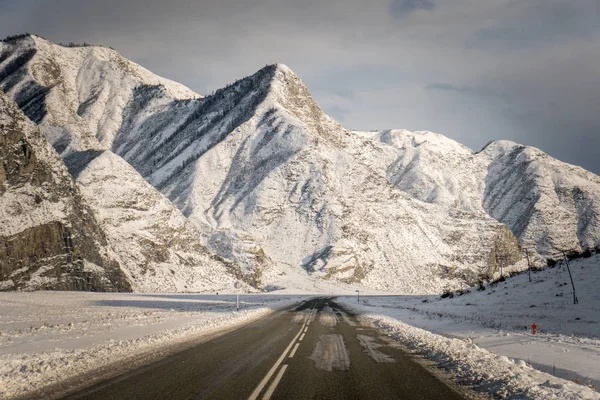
{"points": [[46, 337], [485, 336]]}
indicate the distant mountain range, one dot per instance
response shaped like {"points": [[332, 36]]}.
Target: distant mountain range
{"points": [[167, 190]]}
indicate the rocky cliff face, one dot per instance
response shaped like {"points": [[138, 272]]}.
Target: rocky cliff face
{"points": [[49, 239]]}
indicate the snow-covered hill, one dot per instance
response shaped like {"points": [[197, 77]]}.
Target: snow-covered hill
{"points": [[159, 249], [270, 182], [431, 168], [76, 94]]}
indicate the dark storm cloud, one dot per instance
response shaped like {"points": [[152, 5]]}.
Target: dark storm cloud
{"points": [[474, 70]]}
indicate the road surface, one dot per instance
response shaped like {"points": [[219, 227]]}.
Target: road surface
{"points": [[316, 351]]}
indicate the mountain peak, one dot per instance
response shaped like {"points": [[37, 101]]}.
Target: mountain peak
{"points": [[284, 69], [495, 148], [270, 74], [289, 91], [284, 73], [278, 67]]}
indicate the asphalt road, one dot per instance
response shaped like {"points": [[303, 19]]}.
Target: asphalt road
{"points": [[316, 351]]}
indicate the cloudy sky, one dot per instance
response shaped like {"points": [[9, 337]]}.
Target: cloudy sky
{"points": [[474, 70]]}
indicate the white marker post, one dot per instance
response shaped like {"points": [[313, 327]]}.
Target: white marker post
{"points": [[357, 296]]}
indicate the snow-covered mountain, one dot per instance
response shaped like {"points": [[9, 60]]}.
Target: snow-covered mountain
{"points": [[272, 184], [548, 204], [156, 246], [49, 238], [261, 157]]}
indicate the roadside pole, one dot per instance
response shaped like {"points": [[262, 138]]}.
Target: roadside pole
{"points": [[575, 300]]}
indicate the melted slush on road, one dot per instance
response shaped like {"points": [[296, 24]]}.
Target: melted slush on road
{"points": [[317, 351]]}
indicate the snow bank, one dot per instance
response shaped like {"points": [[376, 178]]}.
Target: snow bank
{"points": [[48, 337], [477, 367]]}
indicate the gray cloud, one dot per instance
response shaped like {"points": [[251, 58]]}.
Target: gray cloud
{"points": [[473, 70], [537, 22], [400, 8]]}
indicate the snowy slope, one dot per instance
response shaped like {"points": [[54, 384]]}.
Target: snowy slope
{"points": [[48, 235], [77, 96], [160, 249], [431, 168]]}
